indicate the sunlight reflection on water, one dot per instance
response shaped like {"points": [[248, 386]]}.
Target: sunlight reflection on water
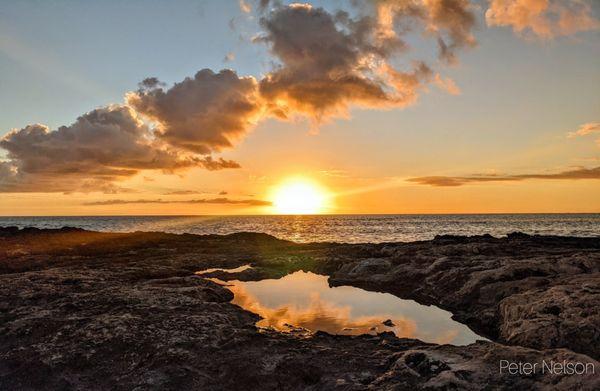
{"points": [[336, 228]]}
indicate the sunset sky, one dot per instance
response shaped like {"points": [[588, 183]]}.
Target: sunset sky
{"points": [[221, 107]]}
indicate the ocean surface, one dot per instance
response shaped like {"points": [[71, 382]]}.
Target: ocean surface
{"points": [[334, 228]]}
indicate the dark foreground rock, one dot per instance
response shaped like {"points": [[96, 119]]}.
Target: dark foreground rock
{"points": [[89, 311]]}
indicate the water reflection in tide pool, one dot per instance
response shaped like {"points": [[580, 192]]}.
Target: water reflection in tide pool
{"points": [[305, 300]]}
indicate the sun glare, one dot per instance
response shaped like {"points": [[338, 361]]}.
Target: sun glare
{"points": [[299, 196]]}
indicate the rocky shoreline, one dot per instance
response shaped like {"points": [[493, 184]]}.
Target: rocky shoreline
{"points": [[95, 311]]}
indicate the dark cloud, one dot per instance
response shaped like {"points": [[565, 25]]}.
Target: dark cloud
{"points": [[100, 148], [12, 180], [579, 173], [331, 61], [447, 181], [218, 164], [184, 192], [190, 192], [151, 82], [320, 59], [263, 4], [198, 201], [452, 21], [203, 114]]}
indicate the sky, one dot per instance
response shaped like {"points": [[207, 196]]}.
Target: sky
{"points": [[206, 107]]}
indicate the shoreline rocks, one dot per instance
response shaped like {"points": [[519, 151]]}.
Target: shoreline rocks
{"points": [[540, 292], [84, 310]]}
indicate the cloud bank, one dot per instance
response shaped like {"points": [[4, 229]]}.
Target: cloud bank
{"points": [[100, 148], [220, 201], [450, 181]]}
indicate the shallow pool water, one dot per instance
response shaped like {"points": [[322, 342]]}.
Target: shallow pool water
{"points": [[304, 299]]}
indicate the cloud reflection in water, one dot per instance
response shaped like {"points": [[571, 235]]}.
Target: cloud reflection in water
{"points": [[305, 300]]}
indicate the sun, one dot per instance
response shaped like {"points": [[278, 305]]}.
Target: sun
{"points": [[299, 196]]}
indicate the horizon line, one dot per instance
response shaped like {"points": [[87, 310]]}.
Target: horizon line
{"points": [[302, 215]]}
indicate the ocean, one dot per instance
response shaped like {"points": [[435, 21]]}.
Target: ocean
{"points": [[334, 228]]}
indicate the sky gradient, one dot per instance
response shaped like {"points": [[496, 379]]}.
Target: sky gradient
{"points": [[501, 117]]}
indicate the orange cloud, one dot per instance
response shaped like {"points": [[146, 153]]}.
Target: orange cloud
{"points": [[318, 314], [545, 19], [245, 7], [446, 84], [585, 129]]}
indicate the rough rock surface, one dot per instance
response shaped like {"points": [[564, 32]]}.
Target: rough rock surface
{"points": [[540, 292], [96, 311]]}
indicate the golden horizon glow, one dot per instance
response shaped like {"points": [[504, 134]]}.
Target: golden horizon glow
{"points": [[299, 196]]}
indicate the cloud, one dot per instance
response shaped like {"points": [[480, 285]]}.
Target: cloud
{"points": [[190, 192], [328, 62], [456, 19], [450, 22], [449, 181], [184, 192], [198, 201], [203, 114], [100, 148], [446, 181], [446, 84], [320, 63], [245, 7], [586, 129], [218, 164], [545, 19], [229, 57]]}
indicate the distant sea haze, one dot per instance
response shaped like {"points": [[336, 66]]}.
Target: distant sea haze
{"points": [[334, 228]]}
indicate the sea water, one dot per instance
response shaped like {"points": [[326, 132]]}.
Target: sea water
{"points": [[334, 228]]}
